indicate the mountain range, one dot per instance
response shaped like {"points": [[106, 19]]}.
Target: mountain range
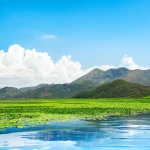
{"points": [[101, 77], [47, 90], [90, 81]]}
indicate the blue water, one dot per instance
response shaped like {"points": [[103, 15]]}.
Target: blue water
{"points": [[115, 133]]}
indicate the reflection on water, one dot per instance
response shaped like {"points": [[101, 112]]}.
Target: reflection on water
{"points": [[115, 133]]}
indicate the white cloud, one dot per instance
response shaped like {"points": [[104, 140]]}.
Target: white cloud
{"points": [[48, 36], [21, 67], [129, 63], [66, 70]]}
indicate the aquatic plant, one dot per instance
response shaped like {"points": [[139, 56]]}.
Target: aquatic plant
{"points": [[24, 112]]}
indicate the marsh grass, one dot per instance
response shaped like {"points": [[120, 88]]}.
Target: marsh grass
{"points": [[25, 112]]}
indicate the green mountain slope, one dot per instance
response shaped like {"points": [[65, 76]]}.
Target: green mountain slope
{"points": [[100, 77], [57, 90], [118, 88]]}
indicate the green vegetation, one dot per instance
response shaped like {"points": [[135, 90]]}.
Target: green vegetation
{"points": [[117, 89], [148, 97], [20, 113], [101, 77]]}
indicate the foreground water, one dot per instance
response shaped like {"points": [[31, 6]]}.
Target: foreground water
{"points": [[115, 133]]}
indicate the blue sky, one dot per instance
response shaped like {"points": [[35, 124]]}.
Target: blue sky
{"points": [[93, 32]]}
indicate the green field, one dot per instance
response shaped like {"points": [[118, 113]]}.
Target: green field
{"points": [[23, 112]]}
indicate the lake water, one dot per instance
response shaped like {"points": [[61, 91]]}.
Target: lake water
{"points": [[115, 133]]}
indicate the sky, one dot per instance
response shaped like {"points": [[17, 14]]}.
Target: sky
{"points": [[57, 41]]}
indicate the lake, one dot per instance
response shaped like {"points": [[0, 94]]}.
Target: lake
{"points": [[114, 133]]}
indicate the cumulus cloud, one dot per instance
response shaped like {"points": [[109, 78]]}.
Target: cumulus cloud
{"points": [[130, 64], [48, 36], [21, 67]]}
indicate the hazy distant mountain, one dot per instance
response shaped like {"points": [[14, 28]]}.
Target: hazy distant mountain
{"points": [[24, 89], [100, 77], [8, 92], [46, 90], [118, 88], [57, 90]]}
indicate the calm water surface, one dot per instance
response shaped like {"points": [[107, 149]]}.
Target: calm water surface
{"points": [[115, 133]]}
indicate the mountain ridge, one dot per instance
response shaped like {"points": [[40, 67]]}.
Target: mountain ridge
{"points": [[47, 90], [100, 77], [117, 89]]}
